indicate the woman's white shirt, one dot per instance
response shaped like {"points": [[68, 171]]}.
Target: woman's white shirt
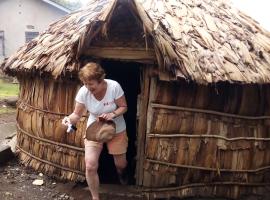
{"points": [[105, 105]]}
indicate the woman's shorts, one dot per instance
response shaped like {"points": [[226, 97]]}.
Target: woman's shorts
{"points": [[117, 145]]}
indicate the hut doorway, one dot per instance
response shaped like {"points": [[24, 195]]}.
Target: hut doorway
{"points": [[128, 75]]}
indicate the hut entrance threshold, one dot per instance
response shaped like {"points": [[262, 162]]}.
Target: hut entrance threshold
{"points": [[128, 75]]}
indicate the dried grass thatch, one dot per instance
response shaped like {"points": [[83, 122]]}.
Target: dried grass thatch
{"points": [[201, 40], [206, 140], [41, 139]]}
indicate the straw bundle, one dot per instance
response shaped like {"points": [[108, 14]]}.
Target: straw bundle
{"points": [[203, 138], [43, 144]]}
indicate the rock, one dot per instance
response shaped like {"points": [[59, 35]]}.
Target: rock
{"points": [[32, 176], [12, 143], [65, 197], [38, 182], [11, 101], [5, 153], [7, 130], [8, 193]]}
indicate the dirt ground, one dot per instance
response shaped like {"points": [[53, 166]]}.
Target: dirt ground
{"points": [[8, 117], [16, 182]]}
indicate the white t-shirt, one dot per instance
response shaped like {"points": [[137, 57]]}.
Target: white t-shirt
{"points": [[106, 105]]}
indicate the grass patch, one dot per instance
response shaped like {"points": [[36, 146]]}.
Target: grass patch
{"points": [[7, 110], [8, 89]]}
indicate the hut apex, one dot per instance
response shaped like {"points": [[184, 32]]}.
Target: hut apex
{"points": [[196, 76]]}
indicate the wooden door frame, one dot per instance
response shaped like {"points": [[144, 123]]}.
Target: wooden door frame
{"points": [[147, 92]]}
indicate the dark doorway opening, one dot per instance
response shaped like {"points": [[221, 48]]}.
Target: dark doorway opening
{"points": [[128, 75]]}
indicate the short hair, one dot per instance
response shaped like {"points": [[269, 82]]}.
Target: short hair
{"points": [[91, 71]]}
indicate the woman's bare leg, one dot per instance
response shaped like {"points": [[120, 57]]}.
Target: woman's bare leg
{"points": [[120, 162], [91, 163]]}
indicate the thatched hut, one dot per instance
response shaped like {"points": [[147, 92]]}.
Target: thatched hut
{"points": [[196, 75]]}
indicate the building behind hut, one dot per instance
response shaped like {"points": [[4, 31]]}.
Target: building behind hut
{"points": [[196, 76], [21, 21]]}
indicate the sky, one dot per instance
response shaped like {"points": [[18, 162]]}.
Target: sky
{"points": [[82, 1], [257, 9]]}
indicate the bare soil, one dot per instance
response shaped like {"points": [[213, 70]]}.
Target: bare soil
{"points": [[8, 117], [16, 182]]}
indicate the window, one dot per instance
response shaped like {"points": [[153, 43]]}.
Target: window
{"points": [[30, 27], [2, 46], [30, 35]]}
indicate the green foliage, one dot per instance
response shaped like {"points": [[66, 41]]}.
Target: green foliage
{"points": [[8, 89]]}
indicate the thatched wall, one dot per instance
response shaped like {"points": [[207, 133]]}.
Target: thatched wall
{"points": [[43, 143], [207, 140]]}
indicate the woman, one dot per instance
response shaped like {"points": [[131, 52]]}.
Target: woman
{"points": [[102, 98]]}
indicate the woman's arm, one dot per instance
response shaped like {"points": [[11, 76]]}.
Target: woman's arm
{"points": [[76, 115], [122, 106], [120, 110]]}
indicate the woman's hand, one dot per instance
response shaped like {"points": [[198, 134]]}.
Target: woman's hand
{"points": [[74, 117], [66, 121], [107, 116]]}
